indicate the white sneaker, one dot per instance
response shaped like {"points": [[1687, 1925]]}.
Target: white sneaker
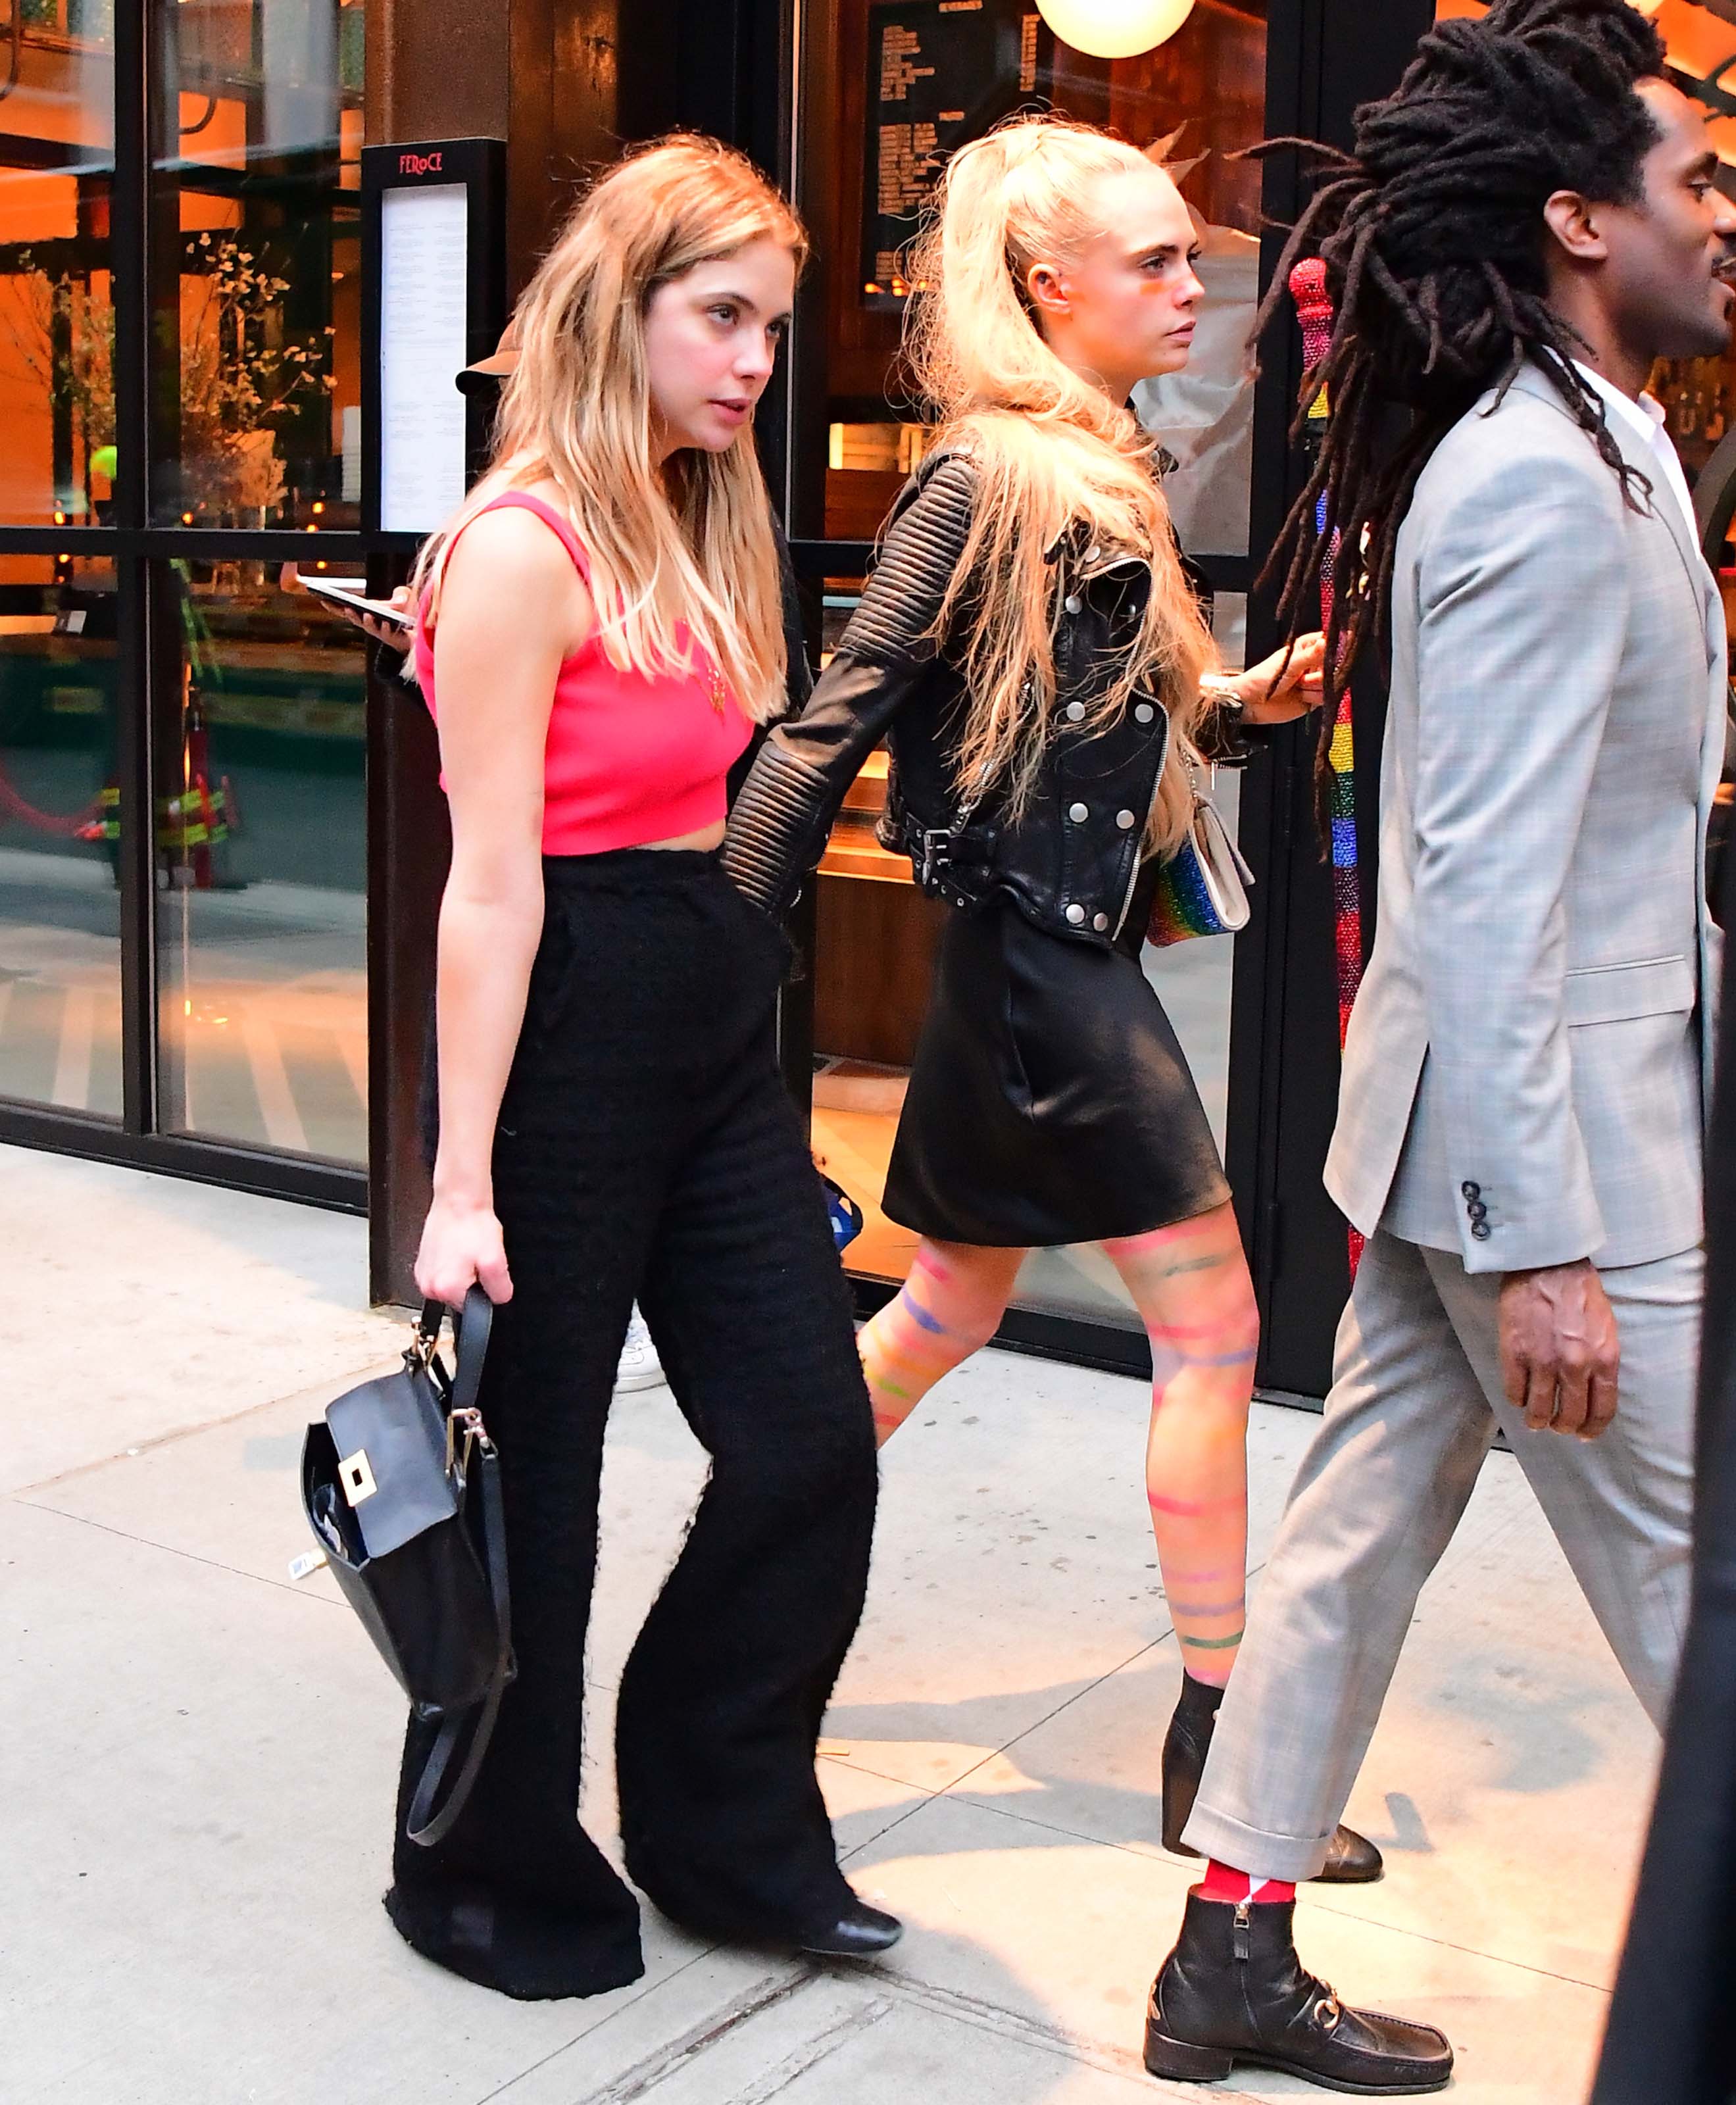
{"points": [[640, 1367]]}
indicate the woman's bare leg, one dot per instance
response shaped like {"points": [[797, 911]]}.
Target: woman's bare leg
{"points": [[1191, 1286], [949, 1307]]}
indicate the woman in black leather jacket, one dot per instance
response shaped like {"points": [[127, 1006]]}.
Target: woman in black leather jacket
{"points": [[1030, 649]]}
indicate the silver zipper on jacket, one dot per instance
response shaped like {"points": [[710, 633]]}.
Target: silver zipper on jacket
{"points": [[1133, 880], [1083, 575]]}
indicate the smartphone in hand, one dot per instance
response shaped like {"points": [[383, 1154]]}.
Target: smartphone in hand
{"points": [[345, 593]]}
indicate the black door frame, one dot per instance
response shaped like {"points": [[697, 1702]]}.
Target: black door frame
{"points": [[1323, 58]]}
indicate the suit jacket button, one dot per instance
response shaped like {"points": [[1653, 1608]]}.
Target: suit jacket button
{"points": [[1078, 814], [1099, 921], [1482, 1231], [1076, 914]]}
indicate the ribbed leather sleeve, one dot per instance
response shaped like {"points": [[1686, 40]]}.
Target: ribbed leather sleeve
{"points": [[923, 543], [1227, 741], [785, 810]]}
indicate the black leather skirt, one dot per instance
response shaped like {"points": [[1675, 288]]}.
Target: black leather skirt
{"points": [[1050, 1101]]}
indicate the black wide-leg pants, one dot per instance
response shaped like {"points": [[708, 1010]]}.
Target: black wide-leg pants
{"points": [[647, 1147]]}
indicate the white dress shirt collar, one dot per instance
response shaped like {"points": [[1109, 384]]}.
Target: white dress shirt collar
{"points": [[1643, 421]]}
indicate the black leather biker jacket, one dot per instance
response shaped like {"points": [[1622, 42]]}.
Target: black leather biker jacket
{"points": [[1070, 860]]}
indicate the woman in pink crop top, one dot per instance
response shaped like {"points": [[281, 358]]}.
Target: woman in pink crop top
{"points": [[599, 629]]}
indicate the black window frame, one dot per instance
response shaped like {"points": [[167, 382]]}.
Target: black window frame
{"points": [[146, 623]]}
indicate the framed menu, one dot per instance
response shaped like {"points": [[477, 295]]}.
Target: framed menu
{"points": [[940, 72], [424, 245], [433, 300]]}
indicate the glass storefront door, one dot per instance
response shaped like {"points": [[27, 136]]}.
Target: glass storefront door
{"points": [[182, 830], [60, 922], [60, 918], [886, 89]]}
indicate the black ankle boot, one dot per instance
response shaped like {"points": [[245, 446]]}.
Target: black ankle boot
{"points": [[1185, 1747], [1233, 1991], [1352, 1859]]}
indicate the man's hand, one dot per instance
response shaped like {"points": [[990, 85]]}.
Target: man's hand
{"points": [[1560, 1352]]}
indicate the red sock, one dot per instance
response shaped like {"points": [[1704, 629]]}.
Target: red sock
{"points": [[1222, 1883]]}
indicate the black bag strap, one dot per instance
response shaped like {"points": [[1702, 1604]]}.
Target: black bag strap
{"points": [[470, 1325], [422, 1824]]}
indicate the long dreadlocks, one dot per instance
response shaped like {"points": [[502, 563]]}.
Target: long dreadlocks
{"points": [[1432, 234]]}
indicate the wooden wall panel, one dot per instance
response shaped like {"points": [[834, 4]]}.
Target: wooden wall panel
{"points": [[873, 957]]}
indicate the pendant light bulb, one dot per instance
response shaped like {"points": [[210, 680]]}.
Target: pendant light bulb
{"points": [[1114, 29]]}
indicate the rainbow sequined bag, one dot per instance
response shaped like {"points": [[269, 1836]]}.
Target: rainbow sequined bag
{"points": [[1203, 890]]}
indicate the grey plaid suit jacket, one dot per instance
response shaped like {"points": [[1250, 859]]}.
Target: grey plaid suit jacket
{"points": [[1528, 1063]]}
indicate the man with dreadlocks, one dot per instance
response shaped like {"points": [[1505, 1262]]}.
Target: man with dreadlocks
{"points": [[1526, 224]]}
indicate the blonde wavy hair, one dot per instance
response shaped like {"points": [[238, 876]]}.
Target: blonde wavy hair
{"points": [[691, 543], [1050, 451]]}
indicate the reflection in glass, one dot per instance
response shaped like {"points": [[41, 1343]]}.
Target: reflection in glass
{"points": [[1203, 417], [261, 312], [262, 918], [57, 323], [60, 912]]}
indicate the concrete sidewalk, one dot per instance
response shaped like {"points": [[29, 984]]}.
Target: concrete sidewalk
{"points": [[197, 1755]]}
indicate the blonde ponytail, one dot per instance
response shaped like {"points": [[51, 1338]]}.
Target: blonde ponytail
{"points": [[1051, 451]]}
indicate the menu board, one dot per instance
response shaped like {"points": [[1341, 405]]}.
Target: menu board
{"points": [[940, 72], [424, 310]]}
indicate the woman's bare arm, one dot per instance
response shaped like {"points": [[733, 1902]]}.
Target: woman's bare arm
{"points": [[512, 607]]}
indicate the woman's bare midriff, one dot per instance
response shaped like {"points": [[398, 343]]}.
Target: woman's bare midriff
{"points": [[704, 840]]}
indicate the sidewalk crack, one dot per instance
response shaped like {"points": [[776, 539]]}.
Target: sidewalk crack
{"points": [[1078, 1695], [812, 2052], [381, 1363], [985, 2015], [664, 2061], [168, 1549]]}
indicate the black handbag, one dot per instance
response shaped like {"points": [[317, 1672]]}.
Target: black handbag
{"points": [[402, 1485]]}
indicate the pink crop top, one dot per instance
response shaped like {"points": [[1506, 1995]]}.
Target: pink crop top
{"points": [[631, 757]]}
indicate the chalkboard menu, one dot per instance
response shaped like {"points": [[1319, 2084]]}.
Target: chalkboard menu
{"points": [[940, 72]]}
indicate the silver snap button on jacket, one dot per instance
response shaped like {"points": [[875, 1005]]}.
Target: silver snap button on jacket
{"points": [[1125, 820], [1072, 602], [1076, 914], [1099, 921], [1078, 814], [1075, 712], [1143, 713]]}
